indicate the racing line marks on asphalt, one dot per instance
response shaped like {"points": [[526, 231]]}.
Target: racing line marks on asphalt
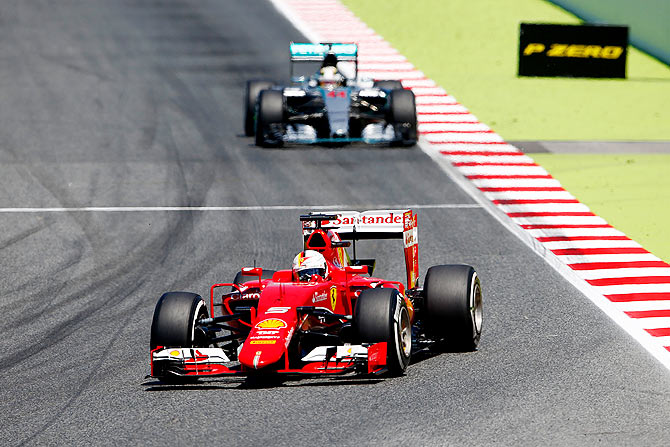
{"points": [[631, 285]]}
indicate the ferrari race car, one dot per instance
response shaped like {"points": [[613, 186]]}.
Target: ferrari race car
{"points": [[331, 106], [323, 316]]}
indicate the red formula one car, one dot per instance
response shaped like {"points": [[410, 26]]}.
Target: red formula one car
{"points": [[323, 316]]}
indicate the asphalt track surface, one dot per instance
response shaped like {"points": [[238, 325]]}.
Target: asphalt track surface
{"points": [[138, 103]]}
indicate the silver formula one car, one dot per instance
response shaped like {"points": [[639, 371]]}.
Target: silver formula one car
{"points": [[330, 106]]}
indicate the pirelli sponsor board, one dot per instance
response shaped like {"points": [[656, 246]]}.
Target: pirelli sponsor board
{"points": [[582, 51]]}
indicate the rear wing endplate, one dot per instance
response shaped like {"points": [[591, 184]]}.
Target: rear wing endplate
{"points": [[373, 224]]}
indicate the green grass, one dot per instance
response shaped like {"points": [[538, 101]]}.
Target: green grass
{"points": [[470, 48], [631, 191]]}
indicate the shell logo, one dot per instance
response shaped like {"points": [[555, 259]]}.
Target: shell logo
{"points": [[271, 323]]}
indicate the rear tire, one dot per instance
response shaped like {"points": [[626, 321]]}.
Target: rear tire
{"points": [[403, 116], [174, 321], [453, 306], [251, 96], [269, 118], [381, 315]]}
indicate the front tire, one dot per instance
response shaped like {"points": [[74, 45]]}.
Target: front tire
{"points": [[403, 116], [174, 321], [251, 96], [453, 306], [381, 315], [269, 118]]}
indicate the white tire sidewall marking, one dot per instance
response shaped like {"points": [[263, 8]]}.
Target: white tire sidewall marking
{"points": [[473, 305], [397, 330], [201, 303]]}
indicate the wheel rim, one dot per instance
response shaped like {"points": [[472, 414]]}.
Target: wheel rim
{"points": [[476, 313], [200, 312], [405, 332]]}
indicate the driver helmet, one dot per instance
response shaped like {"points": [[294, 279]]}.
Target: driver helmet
{"points": [[308, 263], [329, 76]]}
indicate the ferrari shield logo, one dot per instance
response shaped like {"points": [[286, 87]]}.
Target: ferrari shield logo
{"points": [[333, 297]]}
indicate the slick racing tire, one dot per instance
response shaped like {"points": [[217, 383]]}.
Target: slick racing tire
{"points": [[388, 84], [453, 306], [381, 315], [174, 322], [269, 118], [403, 116], [251, 96]]}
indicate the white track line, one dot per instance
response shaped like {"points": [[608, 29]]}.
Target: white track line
{"points": [[462, 118], [462, 137], [654, 323], [573, 232], [502, 159], [592, 243], [545, 207], [580, 259], [432, 108], [560, 220], [529, 195], [435, 100], [641, 306], [513, 182], [502, 170], [635, 288], [624, 273], [467, 126], [429, 90], [130, 209], [473, 147]]}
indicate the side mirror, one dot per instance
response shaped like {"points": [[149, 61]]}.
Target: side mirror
{"points": [[370, 263], [252, 271], [356, 269]]}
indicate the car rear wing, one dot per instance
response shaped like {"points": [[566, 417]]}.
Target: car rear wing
{"points": [[315, 52], [372, 224]]}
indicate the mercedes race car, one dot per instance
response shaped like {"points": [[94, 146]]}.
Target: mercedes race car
{"points": [[330, 106], [323, 316]]}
